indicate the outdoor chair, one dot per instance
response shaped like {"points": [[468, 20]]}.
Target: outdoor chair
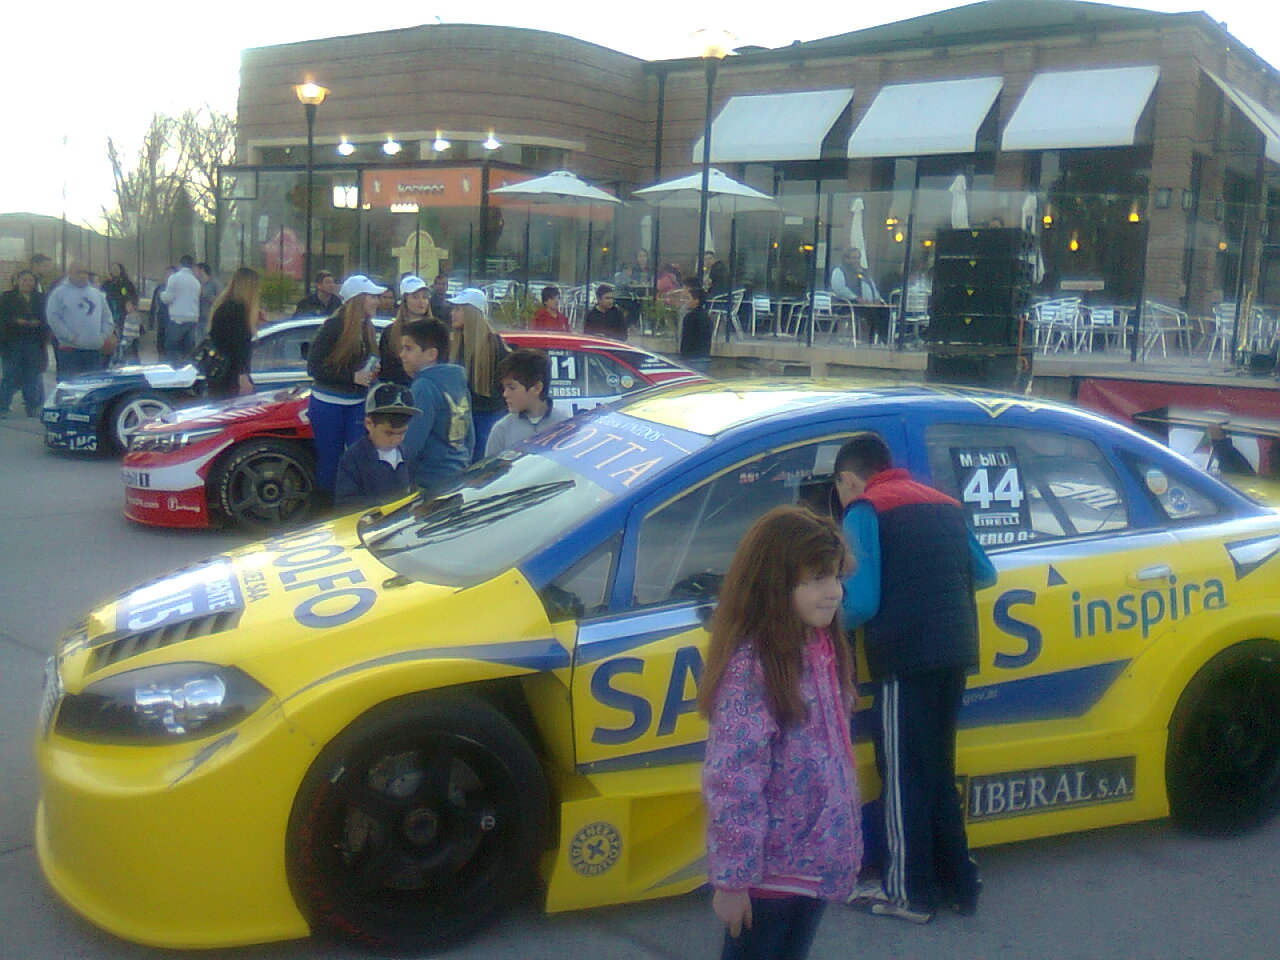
{"points": [[1056, 324], [1160, 322], [717, 310], [1105, 324]]}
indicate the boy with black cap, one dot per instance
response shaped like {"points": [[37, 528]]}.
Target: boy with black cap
{"points": [[372, 470]]}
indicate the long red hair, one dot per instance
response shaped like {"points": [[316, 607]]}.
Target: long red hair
{"points": [[785, 546]]}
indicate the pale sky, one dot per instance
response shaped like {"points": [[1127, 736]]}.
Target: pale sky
{"points": [[84, 72]]}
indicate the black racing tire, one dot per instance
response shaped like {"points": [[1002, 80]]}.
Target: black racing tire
{"points": [[1222, 767], [418, 826], [264, 484], [127, 413]]}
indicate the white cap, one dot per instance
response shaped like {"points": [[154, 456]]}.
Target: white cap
{"points": [[471, 297], [411, 284], [358, 283]]}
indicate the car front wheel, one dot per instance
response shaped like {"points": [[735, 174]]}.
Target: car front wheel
{"points": [[418, 825], [264, 484], [1223, 763], [129, 413]]}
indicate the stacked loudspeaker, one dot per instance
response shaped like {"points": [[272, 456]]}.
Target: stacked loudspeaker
{"points": [[977, 312]]}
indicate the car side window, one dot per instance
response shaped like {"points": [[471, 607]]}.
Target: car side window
{"points": [[1021, 485], [285, 350], [582, 591], [1177, 499], [684, 546], [606, 376]]}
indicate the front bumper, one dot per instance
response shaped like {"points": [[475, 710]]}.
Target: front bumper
{"points": [[177, 846], [71, 428]]}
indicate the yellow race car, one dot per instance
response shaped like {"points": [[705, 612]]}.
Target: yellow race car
{"points": [[388, 727]]}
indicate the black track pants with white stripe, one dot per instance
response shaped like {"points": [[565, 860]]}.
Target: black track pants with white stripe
{"points": [[928, 854]]}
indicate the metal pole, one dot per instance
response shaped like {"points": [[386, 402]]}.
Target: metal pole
{"points": [[704, 196], [656, 261], [1135, 321], [813, 264], [528, 216], [906, 264], [484, 218], [733, 244], [471, 260], [590, 241], [311, 157]]}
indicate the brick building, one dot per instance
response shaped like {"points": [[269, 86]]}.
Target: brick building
{"points": [[1142, 148]]}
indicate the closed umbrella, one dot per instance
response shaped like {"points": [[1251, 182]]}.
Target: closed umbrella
{"points": [[959, 203], [1030, 225], [559, 187], [646, 234], [857, 233]]}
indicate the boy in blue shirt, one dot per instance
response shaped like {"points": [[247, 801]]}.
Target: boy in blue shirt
{"points": [[373, 470], [440, 442]]}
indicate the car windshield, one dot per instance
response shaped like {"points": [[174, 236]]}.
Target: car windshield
{"points": [[488, 519]]}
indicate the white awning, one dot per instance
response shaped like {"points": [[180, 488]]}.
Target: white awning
{"points": [[916, 119], [774, 126], [1081, 108], [1268, 123]]}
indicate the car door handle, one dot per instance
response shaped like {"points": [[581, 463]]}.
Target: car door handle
{"points": [[1157, 571]]}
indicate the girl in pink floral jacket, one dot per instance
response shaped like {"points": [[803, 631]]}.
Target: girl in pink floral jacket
{"points": [[783, 821]]}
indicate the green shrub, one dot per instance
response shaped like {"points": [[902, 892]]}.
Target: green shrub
{"points": [[279, 290]]}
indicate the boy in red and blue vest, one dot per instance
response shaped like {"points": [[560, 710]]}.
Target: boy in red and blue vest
{"points": [[918, 566]]}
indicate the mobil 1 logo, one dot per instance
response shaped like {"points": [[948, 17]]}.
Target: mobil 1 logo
{"points": [[992, 493]]}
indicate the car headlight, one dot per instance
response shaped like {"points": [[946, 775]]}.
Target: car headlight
{"points": [[70, 394], [167, 440], [160, 704]]}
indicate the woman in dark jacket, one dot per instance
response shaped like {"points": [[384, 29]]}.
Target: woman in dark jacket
{"points": [[236, 314], [24, 340], [415, 304], [342, 362]]}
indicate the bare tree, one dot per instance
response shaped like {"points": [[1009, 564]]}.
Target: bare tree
{"points": [[176, 165], [207, 141]]}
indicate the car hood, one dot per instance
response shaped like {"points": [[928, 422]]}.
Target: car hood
{"points": [[307, 610], [222, 412], [159, 375]]}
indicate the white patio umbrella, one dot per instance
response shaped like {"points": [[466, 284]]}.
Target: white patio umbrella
{"points": [[959, 203], [646, 234], [724, 195], [857, 232], [559, 187], [711, 237]]}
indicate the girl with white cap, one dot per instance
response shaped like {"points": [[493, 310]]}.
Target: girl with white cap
{"points": [[342, 362], [478, 349], [415, 304]]}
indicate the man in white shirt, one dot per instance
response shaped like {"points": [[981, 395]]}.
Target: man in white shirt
{"points": [[182, 295]]}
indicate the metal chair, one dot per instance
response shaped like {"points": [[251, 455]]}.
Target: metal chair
{"points": [[1159, 322], [1056, 323], [718, 311]]}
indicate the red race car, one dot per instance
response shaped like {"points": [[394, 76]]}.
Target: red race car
{"points": [[249, 462]]}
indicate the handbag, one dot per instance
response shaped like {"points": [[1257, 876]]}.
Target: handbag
{"points": [[212, 364]]}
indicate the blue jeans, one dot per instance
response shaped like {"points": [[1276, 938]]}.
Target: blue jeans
{"points": [[482, 424], [72, 363], [335, 426], [781, 929], [180, 341], [22, 358]]}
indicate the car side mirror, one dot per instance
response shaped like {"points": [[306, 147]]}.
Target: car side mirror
{"points": [[303, 347]]}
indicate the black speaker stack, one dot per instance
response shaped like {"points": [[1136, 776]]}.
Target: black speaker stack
{"points": [[977, 311]]}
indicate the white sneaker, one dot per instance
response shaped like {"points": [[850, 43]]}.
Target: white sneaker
{"points": [[908, 913]]}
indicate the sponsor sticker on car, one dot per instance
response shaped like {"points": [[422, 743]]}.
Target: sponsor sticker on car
{"points": [[136, 478]]}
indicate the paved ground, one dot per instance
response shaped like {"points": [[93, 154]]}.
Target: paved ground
{"points": [[1144, 892]]}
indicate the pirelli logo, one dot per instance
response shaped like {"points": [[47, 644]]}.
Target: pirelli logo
{"points": [[1046, 789]]}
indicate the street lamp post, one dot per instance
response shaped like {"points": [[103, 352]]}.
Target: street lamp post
{"points": [[715, 46], [310, 95]]}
